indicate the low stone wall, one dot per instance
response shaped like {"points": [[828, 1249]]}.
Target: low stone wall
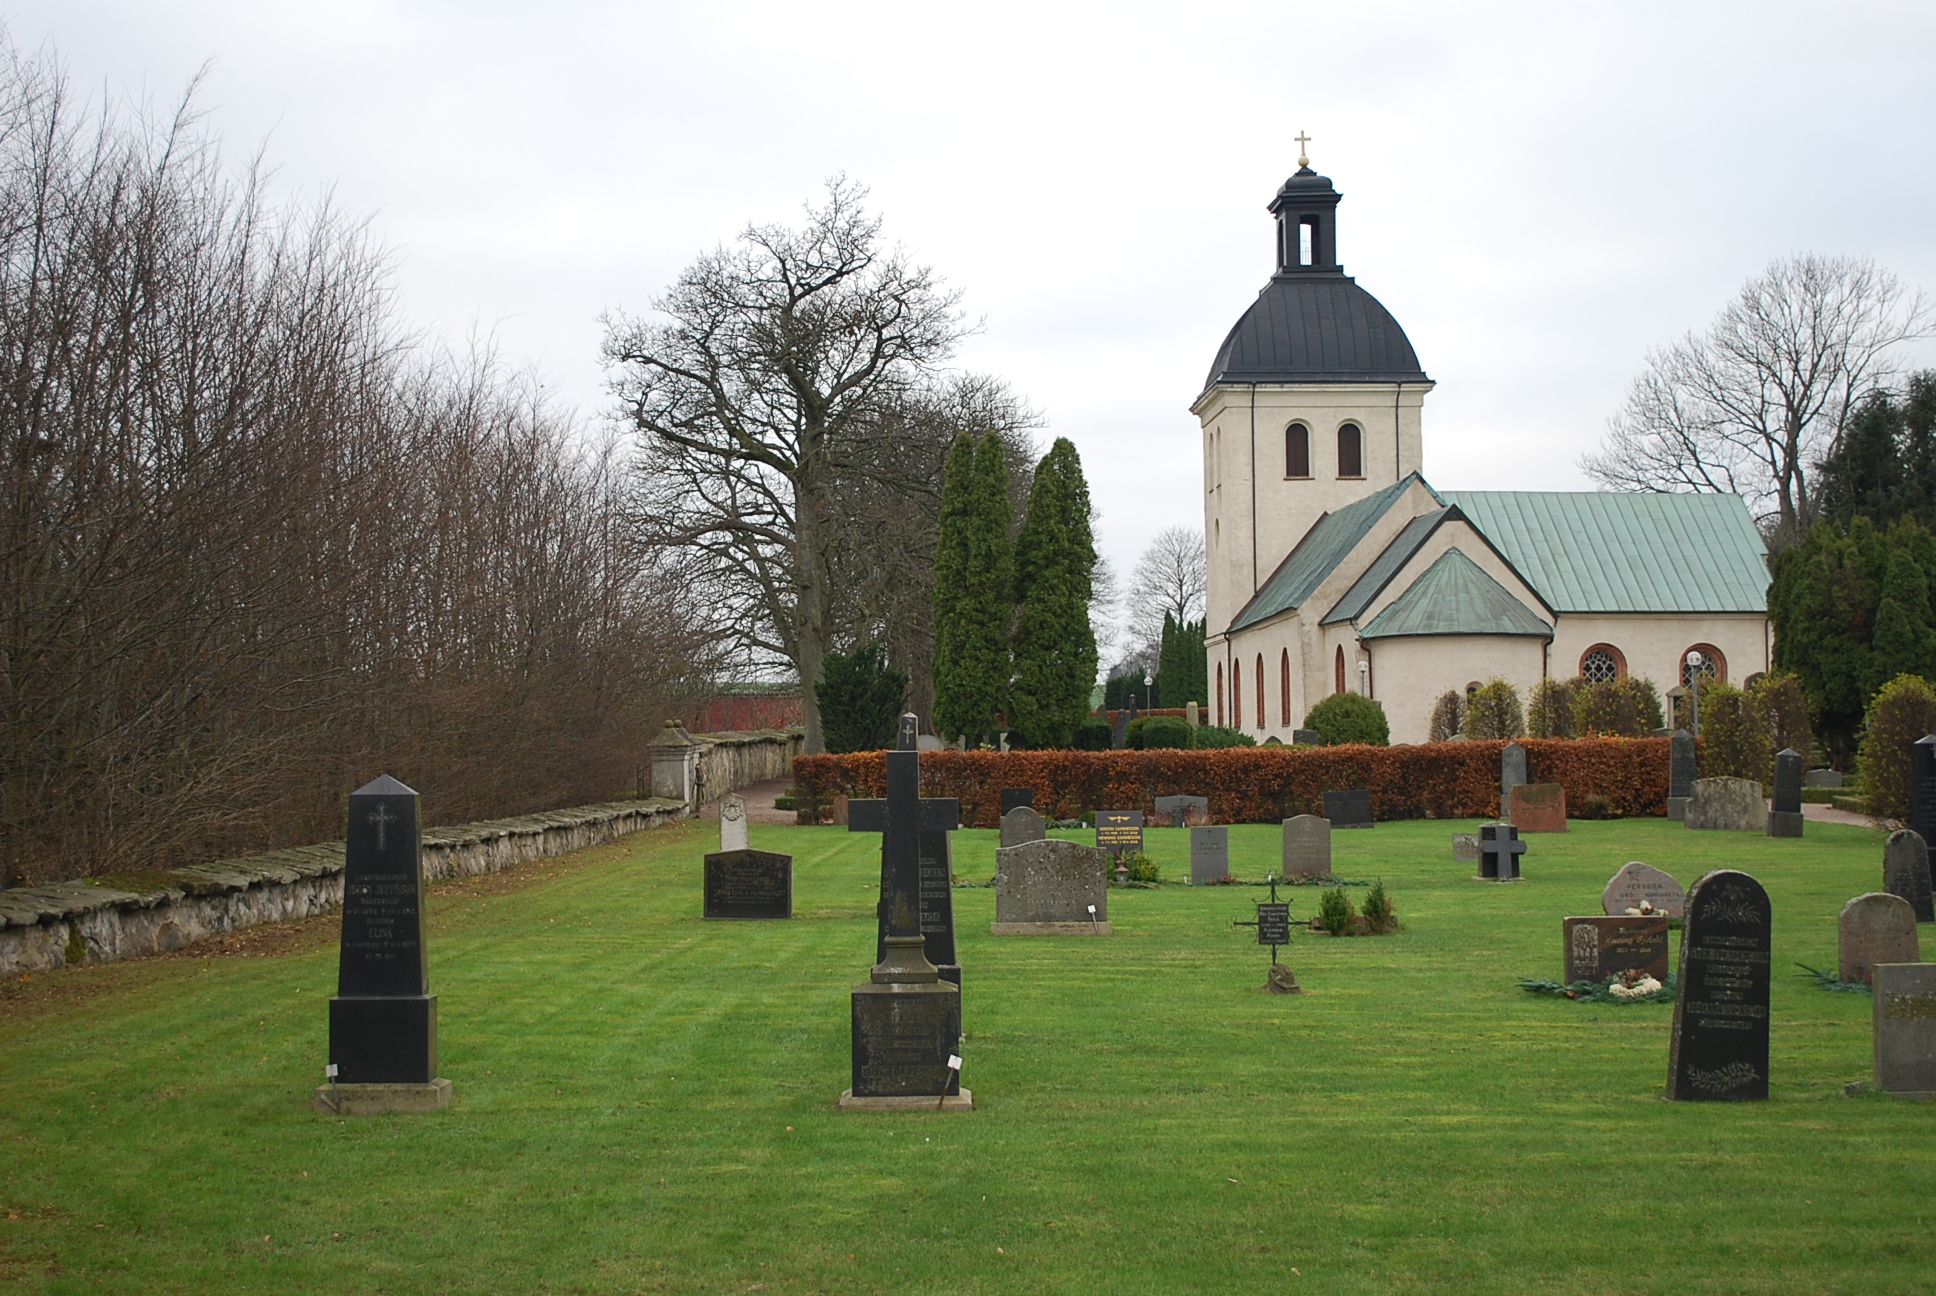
{"points": [[122, 917], [732, 760]]}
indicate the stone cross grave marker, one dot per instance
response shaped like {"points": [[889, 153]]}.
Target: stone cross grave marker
{"points": [[383, 1020], [1719, 1051], [1922, 790], [1512, 774], [1727, 805], [1538, 807], [1785, 819], [1182, 811], [1051, 888], [1905, 872], [1636, 882], [1022, 824], [1874, 928], [1349, 809], [906, 1019], [1599, 949], [936, 818], [1307, 847], [1905, 1029], [1499, 852], [1012, 797], [749, 884], [1119, 831], [1680, 773], [1209, 854], [732, 823]]}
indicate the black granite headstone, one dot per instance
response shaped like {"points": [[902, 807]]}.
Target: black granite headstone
{"points": [[1720, 1043], [1350, 809], [1906, 872], [383, 1020], [1499, 852], [1922, 787], [749, 884], [939, 817], [1307, 737], [1681, 773], [1118, 831], [1120, 734], [1012, 797], [1785, 819]]}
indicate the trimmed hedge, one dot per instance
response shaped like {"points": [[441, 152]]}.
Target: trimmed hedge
{"points": [[1450, 780]]}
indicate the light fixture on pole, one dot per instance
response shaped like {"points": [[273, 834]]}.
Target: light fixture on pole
{"points": [[1694, 663], [1364, 678]]}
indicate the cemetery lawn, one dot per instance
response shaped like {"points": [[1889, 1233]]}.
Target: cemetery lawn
{"points": [[645, 1101]]}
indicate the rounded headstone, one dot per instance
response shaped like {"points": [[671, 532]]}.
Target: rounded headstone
{"points": [[1874, 928], [1636, 882]]}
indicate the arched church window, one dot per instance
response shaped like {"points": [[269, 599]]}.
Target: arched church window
{"points": [[1284, 689], [1297, 451], [1219, 695], [1236, 695], [1260, 690], [1351, 451], [1337, 669], [1713, 665], [1602, 662]]}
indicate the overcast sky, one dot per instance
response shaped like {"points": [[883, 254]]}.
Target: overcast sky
{"points": [[1539, 193]]}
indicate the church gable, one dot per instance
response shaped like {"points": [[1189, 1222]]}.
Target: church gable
{"points": [[1335, 551], [1454, 597]]}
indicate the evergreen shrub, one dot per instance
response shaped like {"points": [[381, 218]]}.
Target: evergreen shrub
{"points": [[1448, 715], [1095, 735], [1349, 718], [1902, 711], [1334, 910], [1494, 712], [1549, 713], [1211, 737], [860, 698], [1162, 732]]}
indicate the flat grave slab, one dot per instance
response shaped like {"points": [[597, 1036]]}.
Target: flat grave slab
{"points": [[749, 884], [1727, 805], [1598, 949]]}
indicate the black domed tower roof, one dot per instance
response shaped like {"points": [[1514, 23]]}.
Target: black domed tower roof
{"points": [[1312, 323]]}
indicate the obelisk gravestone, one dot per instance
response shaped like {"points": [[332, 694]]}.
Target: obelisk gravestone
{"points": [[1719, 1051], [1680, 773], [383, 1020], [1785, 819]]}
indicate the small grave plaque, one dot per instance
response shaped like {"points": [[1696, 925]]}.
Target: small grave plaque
{"points": [[732, 823], [1182, 811], [1351, 809], [1905, 1029], [1119, 831], [1727, 805], [1905, 872], [1051, 888], [1273, 924], [1012, 797], [1600, 949], [749, 884], [1720, 1042], [1465, 847], [1538, 807], [1874, 928], [1680, 773], [1637, 882], [1499, 852], [1209, 854], [1307, 847], [1021, 825]]}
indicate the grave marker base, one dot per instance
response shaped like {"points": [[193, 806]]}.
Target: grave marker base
{"points": [[1677, 809], [1051, 929], [963, 1101], [1784, 823], [380, 1099]]}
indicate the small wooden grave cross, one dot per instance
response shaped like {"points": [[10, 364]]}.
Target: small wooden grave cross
{"points": [[1499, 852], [1273, 921]]}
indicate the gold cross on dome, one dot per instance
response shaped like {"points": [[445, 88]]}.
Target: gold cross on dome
{"points": [[1302, 140]]}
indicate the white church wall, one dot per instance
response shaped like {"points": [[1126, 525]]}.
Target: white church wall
{"points": [[1653, 643], [1408, 674]]}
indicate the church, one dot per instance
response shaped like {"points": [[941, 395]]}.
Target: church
{"points": [[1334, 564]]}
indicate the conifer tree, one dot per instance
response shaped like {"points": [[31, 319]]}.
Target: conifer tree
{"points": [[974, 569], [1182, 665], [1905, 640], [1055, 647]]}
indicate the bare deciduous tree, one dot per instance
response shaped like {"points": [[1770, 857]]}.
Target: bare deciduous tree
{"points": [[1751, 404], [784, 360], [1170, 577]]}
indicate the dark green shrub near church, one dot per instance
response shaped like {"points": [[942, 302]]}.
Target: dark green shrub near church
{"points": [[1166, 732], [1349, 718], [1095, 735], [860, 698], [1210, 737]]}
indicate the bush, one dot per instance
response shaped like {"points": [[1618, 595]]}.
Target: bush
{"points": [[1615, 708], [1784, 708], [1348, 718], [1210, 737], [860, 698], [1735, 735], [1596, 807], [1334, 907], [1448, 715], [1902, 711], [1550, 713], [1494, 712], [1142, 868], [1378, 907], [1095, 735], [1162, 733]]}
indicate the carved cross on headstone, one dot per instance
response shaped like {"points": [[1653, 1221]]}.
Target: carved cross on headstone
{"points": [[938, 816], [382, 818], [1499, 852]]}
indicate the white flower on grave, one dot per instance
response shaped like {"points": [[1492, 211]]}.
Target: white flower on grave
{"points": [[1631, 912], [1638, 990]]}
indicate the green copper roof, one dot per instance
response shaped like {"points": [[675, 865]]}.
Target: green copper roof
{"points": [[1317, 555], [1454, 597], [1596, 551]]}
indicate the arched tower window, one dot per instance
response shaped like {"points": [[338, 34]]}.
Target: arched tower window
{"points": [[1260, 691], [1219, 695], [1297, 451], [1284, 689], [1351, 451], [1602, 662], [1713, 665], [1338, 670], [1237, 695]]}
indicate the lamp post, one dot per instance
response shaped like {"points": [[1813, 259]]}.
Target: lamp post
{"points": [[1364, 678], [1694, 662]]}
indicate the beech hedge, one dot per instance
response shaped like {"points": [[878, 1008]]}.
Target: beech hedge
{"points": [[1448, 780]]}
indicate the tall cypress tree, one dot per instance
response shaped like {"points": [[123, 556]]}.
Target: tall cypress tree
{"points": [[1055, 647], [1905, 639], [974, 567], [1183, 666]]}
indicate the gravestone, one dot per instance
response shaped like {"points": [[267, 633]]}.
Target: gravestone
{"points": [[1191, 716], [840, 811], [1905, 1029], [1307, 737], [1719, 1051], [1874, 928], [1785, 818], [1538, 807], [1209, 854], [906, 1019], [1465, 847], [938, 817], [1512, 774], [1307, 847], [749, 884], [1680, 773], [1600, 949], [1182, 811], [732, 823], [1922, 790], [1119, 831], [1051, 888], [1121, 731], [1905, 872], [1727, 805], [1824, 778], [1350, 809], [383, 1020], [1021, 825], [1499, 852], [1012, 797], [1636, 882]]}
